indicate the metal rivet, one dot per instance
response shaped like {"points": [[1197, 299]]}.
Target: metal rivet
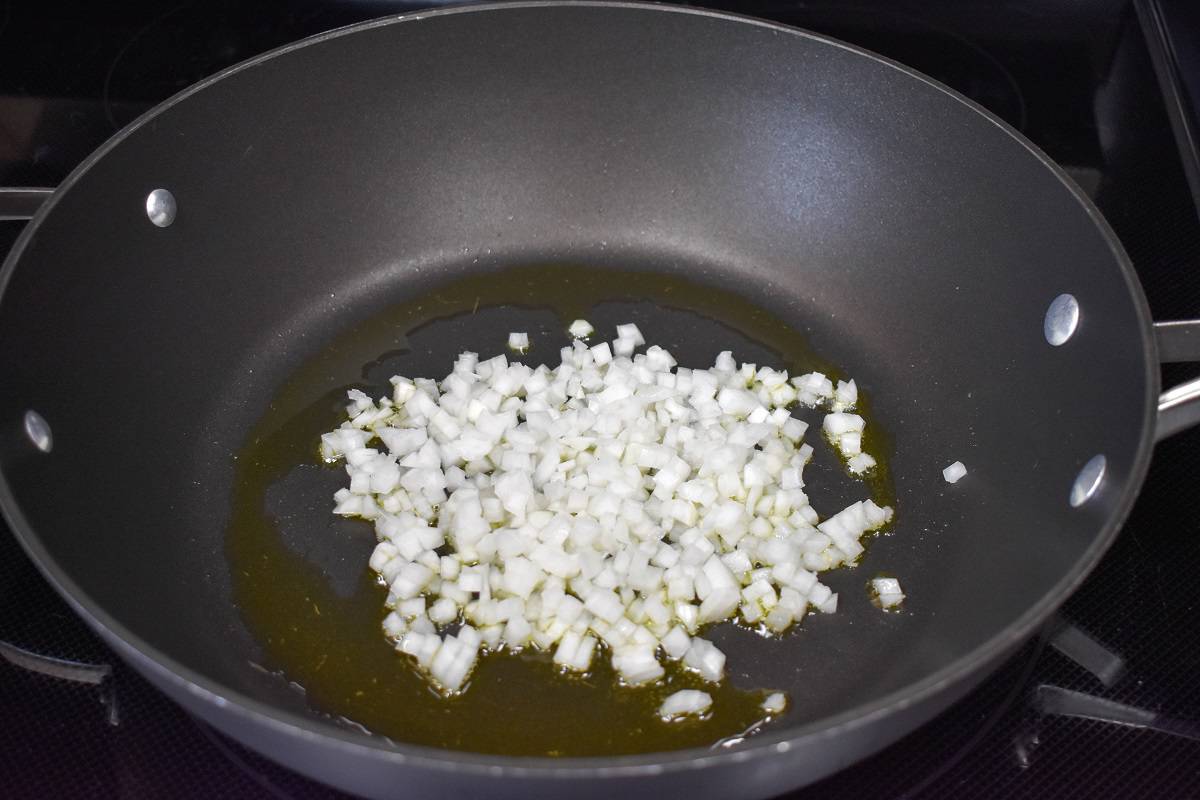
{"points": [[1087, 482], [160, 207], [1062, 317], [38, 431]]}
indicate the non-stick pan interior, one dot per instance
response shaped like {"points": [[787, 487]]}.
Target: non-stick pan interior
{"points": [[914, 242]]}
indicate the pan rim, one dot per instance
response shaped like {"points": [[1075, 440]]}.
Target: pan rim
{"points": [[249, 709]]}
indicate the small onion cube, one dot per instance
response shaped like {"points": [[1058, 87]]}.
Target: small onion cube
{"points": [[676, 643], [704, 658], [774, 703], [637, 664], [887, 591], [581, 329], [631, 332], [860, 463], [954, 472], [685, 702]]}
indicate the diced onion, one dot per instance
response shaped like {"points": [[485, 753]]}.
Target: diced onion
{"points": [[954, 472], [775, 703], [581, 329], [887, 591], [610, 506], [684, 703], [845, 431]]}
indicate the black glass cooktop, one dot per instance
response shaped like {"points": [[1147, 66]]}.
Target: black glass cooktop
{"points": [[1105, 701]]}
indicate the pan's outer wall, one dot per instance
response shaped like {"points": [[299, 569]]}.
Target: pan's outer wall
{"points": [[916, 240]]}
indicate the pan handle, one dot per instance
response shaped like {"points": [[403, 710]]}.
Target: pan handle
{"points": [[21, 204], [1179, 406]]}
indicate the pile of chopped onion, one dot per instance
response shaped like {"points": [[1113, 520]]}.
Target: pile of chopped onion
{"points": [[611, 506]]}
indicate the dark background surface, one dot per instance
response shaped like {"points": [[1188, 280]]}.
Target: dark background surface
{"points": [[1100, 86]]}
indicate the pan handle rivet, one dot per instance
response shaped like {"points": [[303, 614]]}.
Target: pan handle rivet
{"points": [[1088, 481], [38, 431], [160, 207], [1062, 317]]}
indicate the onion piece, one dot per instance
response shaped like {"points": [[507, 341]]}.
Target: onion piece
{"points": [[684, 703], [954, 472], [887, 591], [581, 329], [775, 703]]}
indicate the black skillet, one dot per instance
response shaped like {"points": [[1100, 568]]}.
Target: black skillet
{"points": [[163, 294]]}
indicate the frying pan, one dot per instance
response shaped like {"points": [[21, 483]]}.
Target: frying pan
{"points": [[165, 292]]}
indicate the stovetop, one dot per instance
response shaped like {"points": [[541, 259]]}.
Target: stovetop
{"points": [[1104, 701]]}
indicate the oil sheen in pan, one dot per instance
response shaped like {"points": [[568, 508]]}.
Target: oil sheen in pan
{"points": [[301, 578]]}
